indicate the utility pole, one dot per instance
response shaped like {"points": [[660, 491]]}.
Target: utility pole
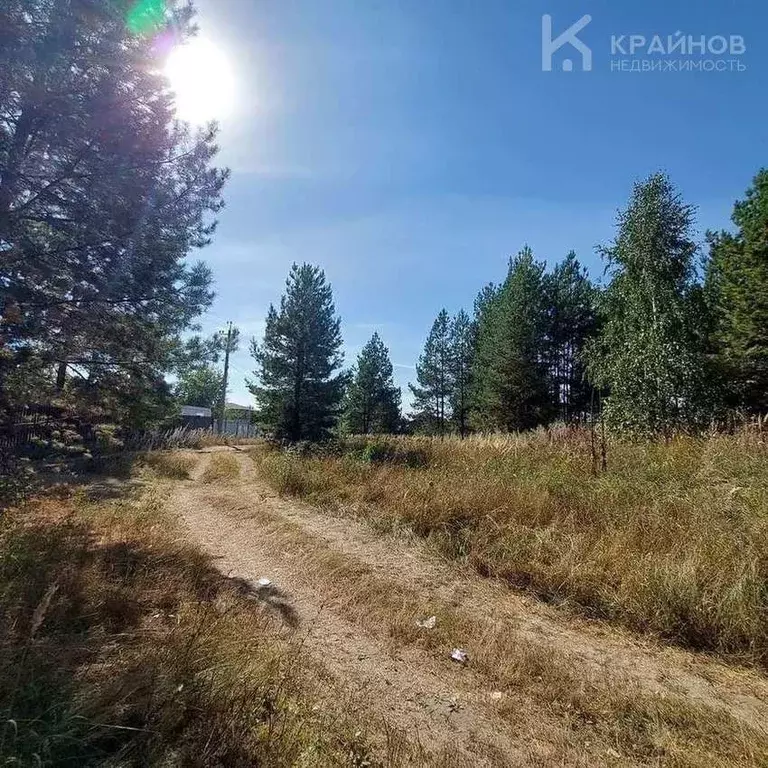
{"points": [[226, 377]]}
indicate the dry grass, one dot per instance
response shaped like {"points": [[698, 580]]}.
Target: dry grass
{"points": [[671, 539], [175, 465], [221, 466], [181, 438], [121, 646], [589, 717], [210, 440]]}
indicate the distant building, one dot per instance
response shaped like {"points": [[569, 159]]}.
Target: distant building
{"points": [[195, 417]]}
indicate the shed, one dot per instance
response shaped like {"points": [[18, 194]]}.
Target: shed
{"points": [[195, 417]]}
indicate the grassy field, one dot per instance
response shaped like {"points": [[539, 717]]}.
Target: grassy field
{"points": [[121, 645], [671, 539], [589, 716]]}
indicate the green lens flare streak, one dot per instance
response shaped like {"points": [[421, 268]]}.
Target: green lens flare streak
{"points": [[146, 17]]}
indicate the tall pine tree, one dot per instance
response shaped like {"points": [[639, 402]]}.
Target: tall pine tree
{"points": [[462, 351], [298, 391], [433, 375], [649, 354], [737, 294], [102, 197], [372, 401], [510, 391], [571, 322]]}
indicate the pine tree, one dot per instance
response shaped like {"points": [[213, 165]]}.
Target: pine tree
{"points": [[372, 401], [648, 353], [737, 294], [462, 353], [297, 392], [483, 301], [510, 386], [102, 198], [571, 322], [433, 375]]}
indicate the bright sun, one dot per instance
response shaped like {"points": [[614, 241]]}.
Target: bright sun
{"points": [[201, 78]]}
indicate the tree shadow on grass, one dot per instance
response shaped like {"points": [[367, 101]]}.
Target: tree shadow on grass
{"points": [[93, 660], [101, 478], [268, 596]]}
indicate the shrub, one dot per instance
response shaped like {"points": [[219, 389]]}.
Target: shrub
{"points": [[385, 450], [17, 479]]}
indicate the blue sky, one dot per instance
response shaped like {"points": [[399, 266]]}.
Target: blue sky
{"points": [[409, 147]]}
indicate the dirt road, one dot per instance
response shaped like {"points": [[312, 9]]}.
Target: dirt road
{"points": [[355, 597]]}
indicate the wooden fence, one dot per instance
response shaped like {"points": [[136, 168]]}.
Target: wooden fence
{"points": [[25, 425]]}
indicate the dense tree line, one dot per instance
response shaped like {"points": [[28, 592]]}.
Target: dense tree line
{"points": [[736, 298], [665, 349]]}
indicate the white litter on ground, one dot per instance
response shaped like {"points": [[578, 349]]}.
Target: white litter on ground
{"points": [[264, 582], [460, 655]]}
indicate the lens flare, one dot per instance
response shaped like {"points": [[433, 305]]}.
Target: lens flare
{"points": [[146, 17], [201, 79]]}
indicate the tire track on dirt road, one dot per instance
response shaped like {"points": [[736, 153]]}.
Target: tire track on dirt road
{"points": [[402, 687], [600, 647], [448, 708]]}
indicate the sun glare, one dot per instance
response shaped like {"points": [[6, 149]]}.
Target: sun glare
{"points": [[202, 80]]}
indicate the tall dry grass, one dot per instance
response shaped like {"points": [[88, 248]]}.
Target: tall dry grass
{"points": [[671, 539], [175, 465], [119, 645], [548, 695], [221, 466], [181, 438]]}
